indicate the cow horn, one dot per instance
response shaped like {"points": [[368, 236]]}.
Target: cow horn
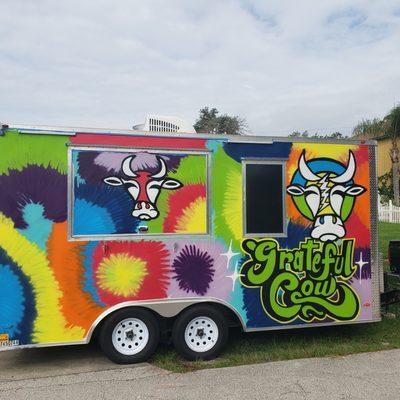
{"points": [[163, 170], [305, 170], [349, 173], [126, 167]]}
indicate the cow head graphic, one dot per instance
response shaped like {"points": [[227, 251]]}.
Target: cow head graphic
{"points": [[144, 187], [324, 192]]}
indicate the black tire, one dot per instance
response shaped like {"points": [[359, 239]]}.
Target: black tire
{"points": [[149, 347], [186, 320]]}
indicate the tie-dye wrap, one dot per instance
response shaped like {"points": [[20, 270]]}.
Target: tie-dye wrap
{"points": [[69, 253]]}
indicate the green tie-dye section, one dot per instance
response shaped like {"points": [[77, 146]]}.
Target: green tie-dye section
{"points": [[192, 170], [18, 150], [227, 198]]}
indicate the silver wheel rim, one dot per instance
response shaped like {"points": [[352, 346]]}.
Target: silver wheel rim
{"points": [[130, 336], [201, 334]]}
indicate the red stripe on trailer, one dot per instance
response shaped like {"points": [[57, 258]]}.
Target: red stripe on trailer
{"points": [[138, 141]]}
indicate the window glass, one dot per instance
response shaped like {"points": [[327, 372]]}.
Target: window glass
{"points": [[264, 200]]}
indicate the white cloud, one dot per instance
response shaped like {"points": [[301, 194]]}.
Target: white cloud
{"points": [[281, 65]]}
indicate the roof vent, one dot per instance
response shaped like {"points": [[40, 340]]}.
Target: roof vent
{"points": [[158, 123]]}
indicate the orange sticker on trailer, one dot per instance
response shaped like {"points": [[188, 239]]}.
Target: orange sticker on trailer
{"points": [[4, 337]]}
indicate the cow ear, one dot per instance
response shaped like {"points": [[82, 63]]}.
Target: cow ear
{"points": [[295, 190], [113, 181], [355, 190], [171, 184]]}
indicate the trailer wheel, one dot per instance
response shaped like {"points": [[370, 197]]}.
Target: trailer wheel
{"points": [[200, 333], [129, 336]]}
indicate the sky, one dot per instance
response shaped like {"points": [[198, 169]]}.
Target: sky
{"points": [[283, 65]]}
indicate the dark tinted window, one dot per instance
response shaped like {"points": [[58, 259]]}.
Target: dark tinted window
{"points": [[264, 198]]}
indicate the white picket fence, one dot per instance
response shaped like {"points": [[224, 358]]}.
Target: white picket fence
{"points": [[389, 212]]}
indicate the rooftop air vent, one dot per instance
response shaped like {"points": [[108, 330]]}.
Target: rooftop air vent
{"points": [[158, 123]]}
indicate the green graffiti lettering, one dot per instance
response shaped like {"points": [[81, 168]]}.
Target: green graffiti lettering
{"points": [[298, 262], [265, 253], [288, 282], [286, 257], [309, 246], [316, 267], [308, 282]]}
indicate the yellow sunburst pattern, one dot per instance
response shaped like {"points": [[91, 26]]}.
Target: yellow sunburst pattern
{"points": [[122, 274], [193, 217]]}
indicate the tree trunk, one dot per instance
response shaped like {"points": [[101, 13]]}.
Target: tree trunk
{"points": [[394, 154], [395, 178]]}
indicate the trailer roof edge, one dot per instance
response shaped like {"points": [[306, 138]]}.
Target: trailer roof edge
{"points": [[72, 131]]}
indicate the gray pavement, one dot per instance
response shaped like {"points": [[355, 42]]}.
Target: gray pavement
{"points": [[82, 372]]}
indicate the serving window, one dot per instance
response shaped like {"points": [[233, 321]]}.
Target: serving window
{"points": [[119, 192], [264, 198]]}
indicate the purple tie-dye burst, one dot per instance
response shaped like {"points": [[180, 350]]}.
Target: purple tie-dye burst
{"points": [[149, 162], [95, 165], [37, 185], [221, 285], [111, 160], [194, 270], [88, 170]]}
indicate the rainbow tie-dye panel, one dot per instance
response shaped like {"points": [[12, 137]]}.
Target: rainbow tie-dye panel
{"points": [[63, 202]]}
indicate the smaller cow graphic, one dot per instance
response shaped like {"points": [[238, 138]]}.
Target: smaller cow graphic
{"points": [[144, 187], [324, 192]]}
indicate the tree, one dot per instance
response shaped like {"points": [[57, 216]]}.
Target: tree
{"points": [[305, 134], [392, 127], [389, 127], [210, 122], [369, 129]]}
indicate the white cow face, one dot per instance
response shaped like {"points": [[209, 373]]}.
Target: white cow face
{"points": [[324, 195], [144, 188]]}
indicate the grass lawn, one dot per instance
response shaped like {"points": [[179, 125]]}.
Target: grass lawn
{"points": [[250, 348]]}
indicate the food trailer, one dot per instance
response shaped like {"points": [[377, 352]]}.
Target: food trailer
{"points": [[127, 236]]}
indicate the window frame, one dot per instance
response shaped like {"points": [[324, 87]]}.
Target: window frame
{"points": [[264, 161], [134, 236]]}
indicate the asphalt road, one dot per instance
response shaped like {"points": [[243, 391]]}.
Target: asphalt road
{"points": [[83, 373]]}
